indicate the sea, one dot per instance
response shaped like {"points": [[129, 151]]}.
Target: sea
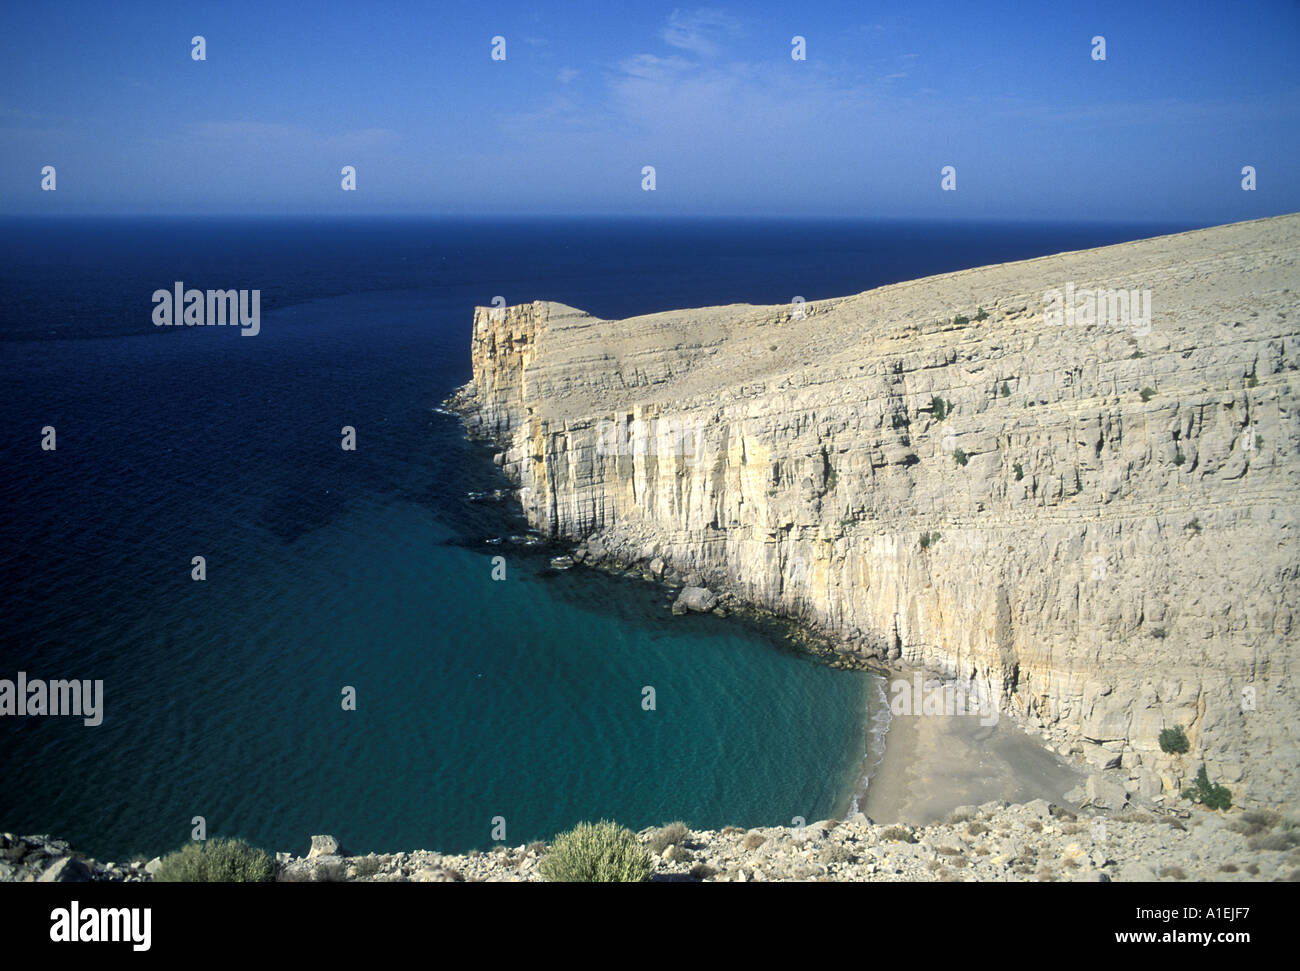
{"points": [[347, 664]]}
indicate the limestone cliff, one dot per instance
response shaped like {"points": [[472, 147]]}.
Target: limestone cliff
{"points": [[1093, 519]]}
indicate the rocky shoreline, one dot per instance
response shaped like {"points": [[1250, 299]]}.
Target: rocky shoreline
{"points": [[997, 842]]}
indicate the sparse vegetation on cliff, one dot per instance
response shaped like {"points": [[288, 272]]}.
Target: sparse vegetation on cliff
{"points": [[1209, 794], [601, 852], [217, 861], [671, 834], [1173, 741]]}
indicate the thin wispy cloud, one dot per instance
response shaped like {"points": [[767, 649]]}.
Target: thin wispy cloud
{"points": [[701, 31]]}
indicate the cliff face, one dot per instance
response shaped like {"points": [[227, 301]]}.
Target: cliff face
{"points": [[1104, 565]]}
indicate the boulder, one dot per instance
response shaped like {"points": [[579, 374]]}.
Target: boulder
{"points": [[698, 599], [1105, 793], [66, 869], [1101, 758], [324, 846], [1037, 809]]}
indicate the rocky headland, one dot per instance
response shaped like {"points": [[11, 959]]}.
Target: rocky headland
{"points": [[1084, 513]]}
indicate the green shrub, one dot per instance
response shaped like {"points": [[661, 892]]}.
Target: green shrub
{"points": [[1159, 633], [1252, 382], [1173, 741], [898, 834], [1263, 818], [217, 861], [1136, 355], [981, 315], [601, 852], [835, 853], [960, 321], [1194, 525], [1281, 841], [1179, 457], [960, 456], [940, 408], [1147, 393], [671, 834], [1006, 391], [1020, 473], [1209, 794], [928, 540], [680, 854], [1259, 442]]}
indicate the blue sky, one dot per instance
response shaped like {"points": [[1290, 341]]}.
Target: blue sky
{"points": [[709, 95]]}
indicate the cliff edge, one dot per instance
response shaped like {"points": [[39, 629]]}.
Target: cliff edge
{"points": [[1007, 474]]}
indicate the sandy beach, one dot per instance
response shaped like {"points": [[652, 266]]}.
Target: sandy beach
{"points": [[935, 763]]}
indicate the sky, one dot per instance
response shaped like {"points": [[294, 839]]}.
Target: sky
{"points": [[588, 93]]}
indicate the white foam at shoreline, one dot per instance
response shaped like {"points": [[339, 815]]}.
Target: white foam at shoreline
{"points": [[877, 729]]}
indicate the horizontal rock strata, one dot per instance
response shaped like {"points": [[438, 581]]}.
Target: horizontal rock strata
{"points": [[1095, 522]]}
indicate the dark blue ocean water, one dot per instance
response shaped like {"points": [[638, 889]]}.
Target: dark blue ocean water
{"points": [[325, 568]]}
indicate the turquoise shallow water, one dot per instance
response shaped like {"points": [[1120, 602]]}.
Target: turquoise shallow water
{"points": [[475, 699]]}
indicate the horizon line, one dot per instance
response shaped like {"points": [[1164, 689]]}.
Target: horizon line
{"points": [[649, 217]]}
